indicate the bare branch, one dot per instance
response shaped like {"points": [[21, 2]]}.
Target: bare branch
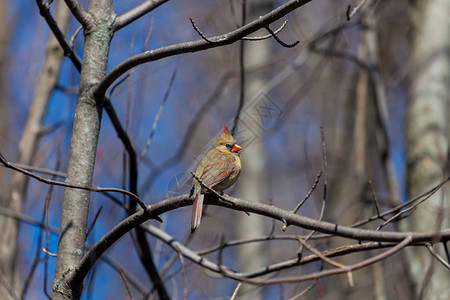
{"points": [[74, 35], [325, 273], [199, 31], [279, 40], [320, 255], [158, 115], [44, 10], [313, 187], [264, 37], [241, 71], [64, 184], [351, 13], [183, 275], [374, 198], [198, 45], [236, 291], [93, 222], [437, 256], [259, 208], [396, 209], [136, 13], [125, 282], [40, 170], [8, 287], [78, 11], [400, 213]]}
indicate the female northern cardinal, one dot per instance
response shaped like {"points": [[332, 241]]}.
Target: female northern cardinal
{"points": [[219, 169]]}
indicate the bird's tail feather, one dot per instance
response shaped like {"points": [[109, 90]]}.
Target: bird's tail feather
{"points": [[197, 211]]}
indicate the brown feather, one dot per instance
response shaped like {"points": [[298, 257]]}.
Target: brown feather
{"points": [[219, 169]]}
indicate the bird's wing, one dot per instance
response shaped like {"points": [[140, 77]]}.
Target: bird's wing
{"points": [[215, 173]]}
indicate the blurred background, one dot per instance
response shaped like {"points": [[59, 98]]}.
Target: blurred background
{"points": [[353, 77]]}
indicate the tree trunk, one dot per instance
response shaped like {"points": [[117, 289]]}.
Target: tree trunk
{"points": [[98, 35], [28, 145], [428, 138], [4, 90], [252, 255]]}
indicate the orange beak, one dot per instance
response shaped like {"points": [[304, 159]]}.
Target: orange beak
{"points": [[236, 148]]}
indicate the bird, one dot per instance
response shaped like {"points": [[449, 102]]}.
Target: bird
{"points": [[219, 169]]}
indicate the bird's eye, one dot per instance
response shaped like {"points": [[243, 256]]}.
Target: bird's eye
{"points": [[228, 145]]}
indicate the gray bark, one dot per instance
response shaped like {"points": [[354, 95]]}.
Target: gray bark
{"points": [[98, 35], [428, 138], [252, 181], [28, 145]]}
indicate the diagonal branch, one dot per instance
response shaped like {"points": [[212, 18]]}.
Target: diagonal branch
{"points": [[136, 13], [78, 11], [169, 204], [44, 10], [74, 186], [279, 40], [194, 46], [311, 276]]}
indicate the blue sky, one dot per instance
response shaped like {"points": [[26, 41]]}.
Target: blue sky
{"points": [[142, 94]]}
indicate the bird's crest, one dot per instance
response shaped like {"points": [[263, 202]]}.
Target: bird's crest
{"points": [[225, 130], [225, 137]]}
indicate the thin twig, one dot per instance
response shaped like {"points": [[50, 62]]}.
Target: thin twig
{"points": [[447, 253], [327, 260], [8, 287], [194, 46], [149, 33], [325, 171], [437, 256], [75, 34], [316, 275], [125, 282], [183, 273], [93, 222], [44, 10], [324, 198], [158, 115], [49, 253], [117, 84], [374, 198], [279, 40], [313, 187], [241, 71], [47, 229], [351, 13], [210, 188], [320, 255], [199, 31], [236, 290], [428, 193], [303, 292], [40, 170], [397, 215], [64, 184], [34, 265], [264, 37]]}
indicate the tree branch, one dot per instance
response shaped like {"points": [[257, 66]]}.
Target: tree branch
{"points": [[136, 13], [194, 46], [253, 207], [78, 11], [44, 10], [68, 185]]}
